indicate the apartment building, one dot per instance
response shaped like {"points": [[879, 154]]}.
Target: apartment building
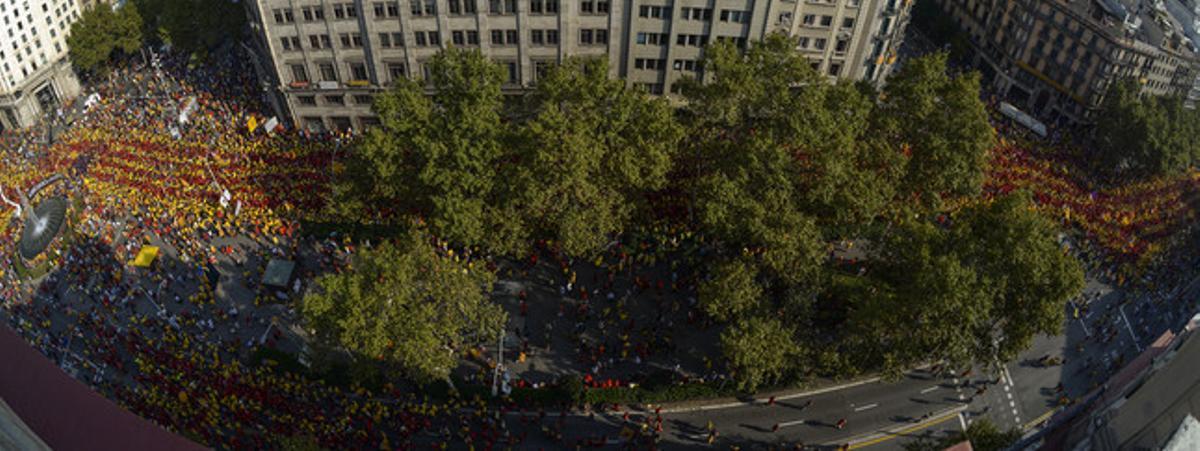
{"points": [[328, 57], [35, 75], [1056, 58]]}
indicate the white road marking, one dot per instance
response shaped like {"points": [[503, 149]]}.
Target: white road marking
{"points": [[1013, 405], [962, 422], [866, 407], [960, 396], [927, 390], [791, 423], [1006, 388], [1127, 326]]}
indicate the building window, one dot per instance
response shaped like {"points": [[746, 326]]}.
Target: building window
{"points": [[358, 72], [435, 38], [687, 65], [552, 37], [693, 40], [398, 39], [598, 36], [299, 73], [655, 12], [327, 72], [420, 36], [307, 100], [543, 6], [735, 16], [396, 71], [848, 22], [819, 43], [502, 6], [649, 64], [457, 38], [313, 13], [841, 45], [513, 73], [472, 37], [696, 13], [362, 99], [540, 68], [459, 7], [652, 38], [536, 37], [385, 40], [835, 69], [809, 20], [281, 16], [336, 99], [826, 21]]}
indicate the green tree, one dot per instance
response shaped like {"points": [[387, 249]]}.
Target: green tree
{"points": [[591, 151], [407, 306], [1122, 130], [780, 156], [438, 156], [100, 33], [759, 351], [731, 290], [1143, 136], [1016, 252], [193, 26], [975, 292], [942, 123]]}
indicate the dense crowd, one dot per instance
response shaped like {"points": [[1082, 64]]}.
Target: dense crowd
{"points": [[173, 342]]}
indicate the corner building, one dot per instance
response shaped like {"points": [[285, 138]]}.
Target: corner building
{"points": [[324, 59], [35, 74], [1057, 58]]}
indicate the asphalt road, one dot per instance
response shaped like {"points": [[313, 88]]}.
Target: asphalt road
{"points": [[1111, 330]]}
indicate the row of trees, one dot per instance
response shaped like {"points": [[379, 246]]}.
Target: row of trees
{"points": [[1140, 136], [103, 35], [777, 164]]}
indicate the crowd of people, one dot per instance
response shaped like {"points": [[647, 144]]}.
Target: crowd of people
{"points": [[175, 342]]}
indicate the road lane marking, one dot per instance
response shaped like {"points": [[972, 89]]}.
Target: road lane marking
{"points": [[791, 423], [729, 405], [904, 432], [962, 422], [927, 390], [1128, 326], [1036, 421], [866, 407]]}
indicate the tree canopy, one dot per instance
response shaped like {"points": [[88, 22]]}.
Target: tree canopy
{"points": [[939, 121], [193, 26], [1144, 136], [977, 290], [760, 351], [407, 306], [589, 154], [440, 155], [100, 33]]}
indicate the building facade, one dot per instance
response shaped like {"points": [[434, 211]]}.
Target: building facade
{"points": [[35, 75], [1056, 59], [328, 57]]}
